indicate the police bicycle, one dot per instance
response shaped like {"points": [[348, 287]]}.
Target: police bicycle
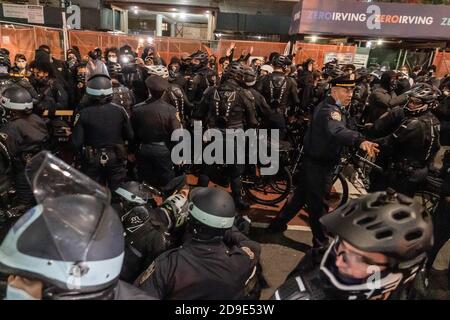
{"points": [[353, 169], [429, 195]]}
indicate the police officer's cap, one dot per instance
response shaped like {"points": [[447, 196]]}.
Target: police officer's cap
{"points": [[156, 83], [344, 81]]}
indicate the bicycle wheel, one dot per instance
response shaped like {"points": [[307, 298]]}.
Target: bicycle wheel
{"points": [[268, 190], [429, 200], [339, 192]]}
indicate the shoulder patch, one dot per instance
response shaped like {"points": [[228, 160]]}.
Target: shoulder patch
{"points": [[147, 273], [77, 117], [249, 252], [335, 115]]}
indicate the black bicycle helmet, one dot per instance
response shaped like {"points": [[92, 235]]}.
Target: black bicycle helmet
{"points": [[335, 73], [380, 222], [250, 76], [281, 61], [361, 72], [201, 56], [424, 92], [235, 71]]}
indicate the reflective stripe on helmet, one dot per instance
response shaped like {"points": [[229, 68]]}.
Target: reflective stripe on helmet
{"points": [[99, 92], [98, 272], [209, 219], [15, 106], [130, 196]]}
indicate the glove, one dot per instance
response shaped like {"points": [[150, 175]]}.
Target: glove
{"points": [[176, 209]]}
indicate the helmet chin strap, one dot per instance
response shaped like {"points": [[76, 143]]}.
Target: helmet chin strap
{"points": [[416, 111]]}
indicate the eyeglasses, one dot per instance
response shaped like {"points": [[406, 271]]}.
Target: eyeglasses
{"points": [[352, 258]]}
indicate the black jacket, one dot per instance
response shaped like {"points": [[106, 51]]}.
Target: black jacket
{"points": [[153, 121], [279, 90], [229, 106], [328, 133], [203, 271], [380, 101], [415, 141], [52, 97], [106, 125]]}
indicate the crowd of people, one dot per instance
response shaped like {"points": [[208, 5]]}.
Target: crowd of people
{"points": [[195, 245]]}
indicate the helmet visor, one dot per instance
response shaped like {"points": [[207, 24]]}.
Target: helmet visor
{"points": [[50, 177]]}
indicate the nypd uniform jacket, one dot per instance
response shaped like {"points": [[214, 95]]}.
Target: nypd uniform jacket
{"points": [[154, 121], [328, 133], [24, 134], [200, 271], [102, 126]]}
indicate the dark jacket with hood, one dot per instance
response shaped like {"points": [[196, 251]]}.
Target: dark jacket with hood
{"points": [[383, 98]]}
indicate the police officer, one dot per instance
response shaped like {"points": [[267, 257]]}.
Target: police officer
{"points": [[153, 122], [263, 109], [230, 106], [280, 92], [383, 236], [134, 74], [200, 78], [149, 230], [323, 144], [214, 262], [24, 135], [122, 96], [100, 132], [412, 146], [53, 254], [441, 218], [174, 95]]}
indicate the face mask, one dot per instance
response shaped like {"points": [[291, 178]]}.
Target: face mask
{"points": [[113, 59], [42, 81], [72, 63], [13, 293], [81, 78], [21, 65]]}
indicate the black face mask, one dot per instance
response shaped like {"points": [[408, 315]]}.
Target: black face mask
{"points": [[72, 63], [81, 77], [196, 67], [41, 81]]}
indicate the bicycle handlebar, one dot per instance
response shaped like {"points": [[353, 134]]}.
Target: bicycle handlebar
{"points": [[370, 163]]}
